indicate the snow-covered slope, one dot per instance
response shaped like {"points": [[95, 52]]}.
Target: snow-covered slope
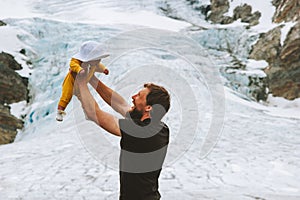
{"points": [[256, 145]]}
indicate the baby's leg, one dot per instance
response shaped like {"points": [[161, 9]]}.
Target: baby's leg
{"points": [[67, 92]]}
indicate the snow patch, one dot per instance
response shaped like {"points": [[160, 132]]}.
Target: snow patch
{"points": [[9, 41], [254, 64], [18, 109], [256, 73], [281, 107], [142, 18], [285, 30], [15, 9], [275, 106]]}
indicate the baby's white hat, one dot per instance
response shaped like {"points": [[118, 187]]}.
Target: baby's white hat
{"points": [[90, 50]]}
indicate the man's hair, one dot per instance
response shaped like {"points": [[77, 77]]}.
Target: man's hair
{"points": [[157, 95]]}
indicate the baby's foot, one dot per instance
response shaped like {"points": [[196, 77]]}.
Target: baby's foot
{"points": [[60, 115]]}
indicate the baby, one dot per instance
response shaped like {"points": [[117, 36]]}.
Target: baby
{"points": [[88, 58]]}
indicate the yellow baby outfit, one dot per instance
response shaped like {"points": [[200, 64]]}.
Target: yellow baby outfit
{"points": [[68, 88]]}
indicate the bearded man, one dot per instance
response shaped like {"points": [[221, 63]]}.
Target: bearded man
{"points": [[144, 137]]}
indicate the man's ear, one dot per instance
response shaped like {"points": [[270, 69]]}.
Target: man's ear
{"points": [[148, 108]]}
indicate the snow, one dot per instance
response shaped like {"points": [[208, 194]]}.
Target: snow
{"points": [[275, 106], [283, 107], [142, 18], [256, 64], [8, 39], [15, 9], [285, 30], [257, 73], [256, 155], [259, 164], [255, 68], [18, 109], [89, 13]]}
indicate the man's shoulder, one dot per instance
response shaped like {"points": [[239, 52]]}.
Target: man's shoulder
{"points": [[164, 125], [146, 123], [135, 128]]}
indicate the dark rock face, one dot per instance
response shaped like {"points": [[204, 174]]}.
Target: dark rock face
{"points": [[2, 23], [13, 88], [8, 60], [285, 79], [218, 9], [283, 73], [8, 126], [243, 12], [268, 47], [286, 10]]}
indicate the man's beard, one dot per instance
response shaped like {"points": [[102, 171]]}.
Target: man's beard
{"points": [[134, 114]]}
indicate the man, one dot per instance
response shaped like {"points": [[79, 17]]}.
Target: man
{"points": [[144, 138]]}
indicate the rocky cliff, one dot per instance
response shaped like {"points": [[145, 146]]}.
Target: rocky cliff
{"points": [[9, 125], [243, 12], [13, 88], [252, 85], [283, 72]]}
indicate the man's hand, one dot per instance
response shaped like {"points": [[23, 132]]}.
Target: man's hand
{"points": [[81, 76]]}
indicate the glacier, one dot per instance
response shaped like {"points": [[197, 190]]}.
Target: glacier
{"points": [[254, 154]]}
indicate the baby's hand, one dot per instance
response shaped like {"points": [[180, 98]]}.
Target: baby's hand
{"points": [[102, 69], [81, 72], [106, 72]]}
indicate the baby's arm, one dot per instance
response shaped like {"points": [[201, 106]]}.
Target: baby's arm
{"points": [[75, 65]]}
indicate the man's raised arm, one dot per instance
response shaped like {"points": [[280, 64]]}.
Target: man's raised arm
{"points": [[112, 98], [93, 112]]}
